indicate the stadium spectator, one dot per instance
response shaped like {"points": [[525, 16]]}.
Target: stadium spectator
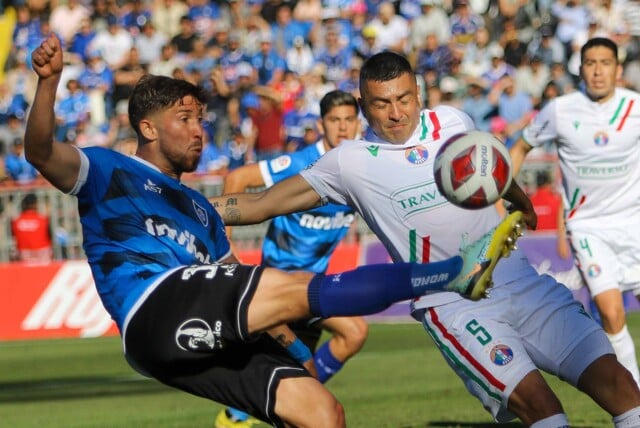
{"points": [[464, 23], [81, 40], [391, 29], [184, 40], [11, 103], [98, 81], [547, 203], [66, 18], [70, 110], [204, 14], [434, 56], [516, 107], [334, 55], [231, 57], [126, 77], [285, 29], [476, 105], [17, 166], [477, 54], [499, 67], [166, 16], [300, 58], [31, 232], [10, 131], [269, 65], [199, 63], [514, 48], [113, 43], [26, 32], [432, 20], [135, 16], [547, 47], [149, 43], [267, 137], [167, 63], [532, 77]]}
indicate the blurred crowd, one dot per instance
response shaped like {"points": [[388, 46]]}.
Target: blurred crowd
{"points": [[267, 63]]}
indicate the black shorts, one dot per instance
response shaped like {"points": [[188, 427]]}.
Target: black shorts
{"points": [[191, 333]]}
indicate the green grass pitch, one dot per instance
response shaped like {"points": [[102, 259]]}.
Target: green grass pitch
{"points": [[399, 380]]}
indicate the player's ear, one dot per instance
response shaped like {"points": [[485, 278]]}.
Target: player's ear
{"points": [[148, 130]]}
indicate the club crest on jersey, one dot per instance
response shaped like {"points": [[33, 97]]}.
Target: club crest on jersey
{"points": [[196, 335], [601, 138], [201, 213], [280, 163], [417, 155], [594, 271], [501, 355]]}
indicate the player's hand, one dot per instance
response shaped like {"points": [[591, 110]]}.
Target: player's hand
{"points": [[46, 59]]}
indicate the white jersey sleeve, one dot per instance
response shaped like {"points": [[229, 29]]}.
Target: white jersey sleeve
{"points": [[542, 127]]}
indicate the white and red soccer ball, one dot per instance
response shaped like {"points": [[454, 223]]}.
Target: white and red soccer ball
{"points": [[473, 169]]}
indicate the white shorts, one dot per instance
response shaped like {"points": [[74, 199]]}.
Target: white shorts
{"points": [[608, 258], [492, 344]]}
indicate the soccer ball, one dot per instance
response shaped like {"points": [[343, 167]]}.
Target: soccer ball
{"points": [[473, 169]]}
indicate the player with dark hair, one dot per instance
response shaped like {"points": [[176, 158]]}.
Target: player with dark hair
{"points": [[497, 346], [305, 241], [189, 314], [597, 133]]}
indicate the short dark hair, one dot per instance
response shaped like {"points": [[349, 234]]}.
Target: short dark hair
{"points": [[384, 66], [599, 41], [335, 99], [29, 201], [154, 93]]}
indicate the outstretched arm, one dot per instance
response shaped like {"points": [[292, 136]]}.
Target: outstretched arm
{"points": [[518, 152], [290, 195], [57, 162]]}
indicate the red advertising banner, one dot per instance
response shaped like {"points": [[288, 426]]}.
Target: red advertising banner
{"points": [[59, 299]]}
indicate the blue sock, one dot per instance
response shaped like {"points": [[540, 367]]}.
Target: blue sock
{"points": [[373, 288], [237, 415], [326, 364]]}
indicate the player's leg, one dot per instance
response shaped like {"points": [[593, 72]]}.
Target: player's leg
{"points": [[304, 402], [599, 262], [348, 335], [200, 344], [482, 343], [281, 297]]}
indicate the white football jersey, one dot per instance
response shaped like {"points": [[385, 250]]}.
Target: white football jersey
{"points": [[599, 151], [392, 187]]}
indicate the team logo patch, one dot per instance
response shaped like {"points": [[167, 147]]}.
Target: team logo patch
{"points": [[501, 355], [201, 213], [195, 335], [601, 138], [594, 271], [417, 155], [280, 163]]}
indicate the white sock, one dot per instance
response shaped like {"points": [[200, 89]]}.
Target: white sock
{"points": [[556, 421], [629, 419], [625, 351]]}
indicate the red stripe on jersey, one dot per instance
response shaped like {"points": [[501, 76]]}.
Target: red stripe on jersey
{"points": [[463, 352], [436, 124], [626, 114], [426, 249]]}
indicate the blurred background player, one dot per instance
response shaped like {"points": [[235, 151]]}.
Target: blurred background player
{"points": [[306, 240], [597, 134]]}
